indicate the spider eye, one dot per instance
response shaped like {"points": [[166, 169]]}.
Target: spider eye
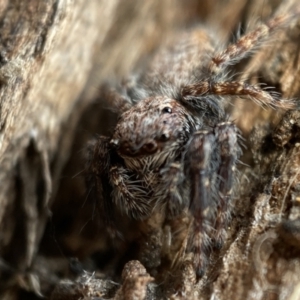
{"points": [[164, 137], [115, 143], [150, 147], [167, 110]]}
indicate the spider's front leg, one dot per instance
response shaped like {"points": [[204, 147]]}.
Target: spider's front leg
{"points": [[173, 177], [99, 159], [200, 157], [229, 151], [97, 180], [211, 169]]}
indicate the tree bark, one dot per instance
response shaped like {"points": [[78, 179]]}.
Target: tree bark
{"points": [[54, 55]]}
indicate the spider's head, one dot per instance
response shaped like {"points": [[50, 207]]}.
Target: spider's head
{"points": [[154, 125]]}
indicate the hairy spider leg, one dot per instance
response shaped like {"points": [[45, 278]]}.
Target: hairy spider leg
{"points": [[97, 179], [227, 139], [173, 178], [244, 46], [200, 153]]}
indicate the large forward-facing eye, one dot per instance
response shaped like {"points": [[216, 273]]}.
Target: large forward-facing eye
{"points": [[167, 110], [150, 147]]}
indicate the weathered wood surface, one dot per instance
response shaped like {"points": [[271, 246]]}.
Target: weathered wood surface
{"points": [[53, 56]]}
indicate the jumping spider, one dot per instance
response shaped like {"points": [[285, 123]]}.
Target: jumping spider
{"points": [[171, 160]]}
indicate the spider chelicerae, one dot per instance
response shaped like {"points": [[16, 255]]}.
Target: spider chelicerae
{"points": [[170, 164]]}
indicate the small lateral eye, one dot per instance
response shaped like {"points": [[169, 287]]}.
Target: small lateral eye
{"points": [[167, 110], [164, 137]]}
